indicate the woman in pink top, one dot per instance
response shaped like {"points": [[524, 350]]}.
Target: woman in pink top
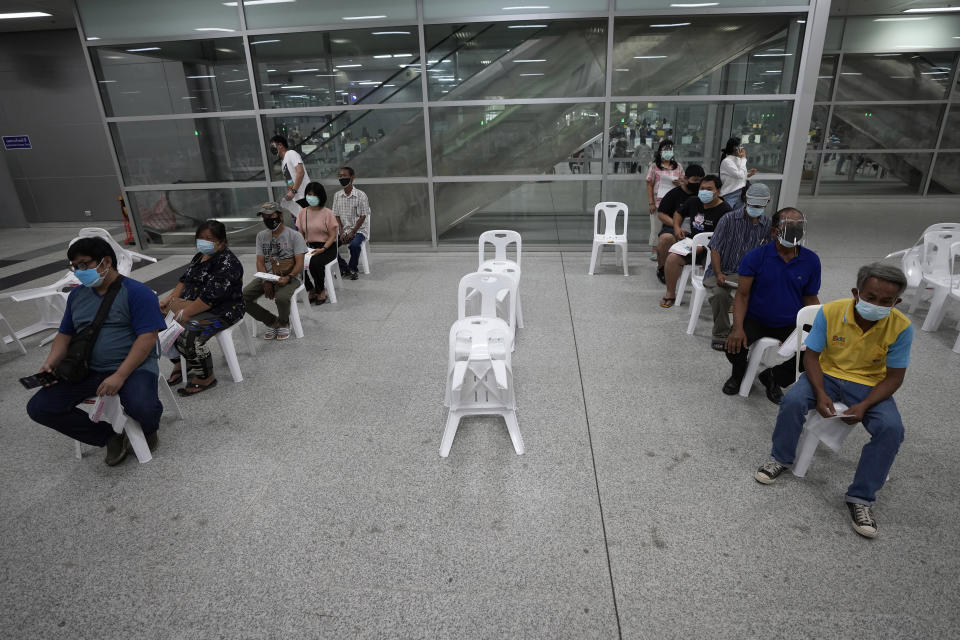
{"points": [[319, 228], [664, 174]]}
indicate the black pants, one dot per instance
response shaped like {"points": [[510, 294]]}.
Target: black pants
{"points": [[783, 373], [192, 344], [314, 276]]}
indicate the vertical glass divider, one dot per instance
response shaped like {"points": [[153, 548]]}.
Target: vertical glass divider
{"points": [[426, 124], [607, 92], [943, 126], [255, 96]]}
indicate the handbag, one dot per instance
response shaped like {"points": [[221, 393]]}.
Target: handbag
{"points": [[75, 365]]}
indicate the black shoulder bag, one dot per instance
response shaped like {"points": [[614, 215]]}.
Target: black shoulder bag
{"points": [[75, 366]]}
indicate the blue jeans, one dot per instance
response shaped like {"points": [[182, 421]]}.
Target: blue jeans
{"points": [[56, 406], [733, 199], [354, 247], [882, 421]]}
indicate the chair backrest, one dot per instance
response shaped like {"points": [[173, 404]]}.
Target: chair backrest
{"points": [[611, 211], [501, 240], [488, 286], [805, 317], [124, 258], [954, 264], [700, 240], [935, 254]]}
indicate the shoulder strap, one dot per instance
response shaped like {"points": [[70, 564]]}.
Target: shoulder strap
{"points": [[93, 329]]}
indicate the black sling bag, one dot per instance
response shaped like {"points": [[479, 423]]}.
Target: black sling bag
{"points": [[75, 366]]}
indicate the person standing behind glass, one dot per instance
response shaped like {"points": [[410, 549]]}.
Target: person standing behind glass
{"points": [[664, 174], [733, 172], [320, 229], [208, 299], [352, 209], [294, 173]]}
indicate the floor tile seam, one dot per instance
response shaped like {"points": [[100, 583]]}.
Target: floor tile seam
{"points": [[593, 458]]}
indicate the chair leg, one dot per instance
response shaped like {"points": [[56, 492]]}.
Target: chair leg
{"points": [[937, 309], [225, 339], [695, 307], [248, 328], [519, 311], [623, 257], [77, 451], [453, 421], [593, 258], [956, 345], [364, 259], [511, 419], [170, 396], [137, 440], [13, 336], [682, 284], [806, 447], [328, 278], [295, 316], [753, 368]]}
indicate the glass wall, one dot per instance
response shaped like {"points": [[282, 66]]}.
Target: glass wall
{"points": [[522, 116], [882, 123]]}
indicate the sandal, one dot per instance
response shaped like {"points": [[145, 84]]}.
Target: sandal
{"points": [[283, 333], [666, 303], [270, 334], [718, 345], [176, 377], [193, 388]]}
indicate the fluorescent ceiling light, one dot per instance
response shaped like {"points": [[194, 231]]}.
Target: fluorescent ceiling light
{"points": [[801, 22], [771, 55], [270, 70], [391, 33], [214, 29], [347, 66], [248, 3], [527, 26], [851, 73], [93, 38], [24, 14], [932, 73], [326, 75], [243, 80], [622, 69], [386, 55], [143, 49], [195, 77], [773, 71], [932, 10], [403, 55], [302, 70], [294, 86], [363, 17], [271, 84], [648, 57], [537, 60], [264, 41], [530, 74], [675, 24], [529, 6], [105, 81], [693, 5], [367, 83], [898, 19]]}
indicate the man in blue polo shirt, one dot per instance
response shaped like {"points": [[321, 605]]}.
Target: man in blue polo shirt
{"points": [[124, 357], [775, 281]]}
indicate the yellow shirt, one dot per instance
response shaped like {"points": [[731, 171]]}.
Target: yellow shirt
{"points": [[849, 353]]}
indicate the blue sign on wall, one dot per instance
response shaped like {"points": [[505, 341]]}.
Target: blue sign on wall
{"points": [[16, 142]]}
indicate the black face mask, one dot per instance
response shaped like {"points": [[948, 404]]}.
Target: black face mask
{"points": [[272, 223], [344, 181], [274, 151]]}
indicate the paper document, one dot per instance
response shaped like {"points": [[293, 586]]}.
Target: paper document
{"points": [[682, 248], [266, 276]]}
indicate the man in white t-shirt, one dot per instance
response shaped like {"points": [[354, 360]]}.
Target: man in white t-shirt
{"points": [[294, 173]]}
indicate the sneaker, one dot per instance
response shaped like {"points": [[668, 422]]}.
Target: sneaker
{"points": [[861, 517], [769, 472], [153, 441], [653, 256], [118, 447], [354, 275]]}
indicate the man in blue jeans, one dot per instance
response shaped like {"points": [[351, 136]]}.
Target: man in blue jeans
{"points": [[352, 209], [124, 358], [857, 353]]}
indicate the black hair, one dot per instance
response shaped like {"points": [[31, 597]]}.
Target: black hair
{"points": [[666, 142], [348, 170], [278, 139], [731, 147], [216, 229], [715, 179], [316, 189], [94, 248], [694, 171]]}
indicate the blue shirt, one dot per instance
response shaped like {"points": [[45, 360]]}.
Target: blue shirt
{"points": [[779, 287], [134, 311]]}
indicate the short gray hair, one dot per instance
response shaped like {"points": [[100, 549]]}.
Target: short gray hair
{"points": [[881, 271]]}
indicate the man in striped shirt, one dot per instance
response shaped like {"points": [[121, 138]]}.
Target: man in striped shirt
{"points": [[738, 232], [352, 209]]}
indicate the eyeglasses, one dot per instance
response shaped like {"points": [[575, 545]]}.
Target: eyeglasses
{"points": [[80, 266]]}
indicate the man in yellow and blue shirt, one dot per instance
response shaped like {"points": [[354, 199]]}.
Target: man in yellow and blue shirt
{"points": [[857, 353]]}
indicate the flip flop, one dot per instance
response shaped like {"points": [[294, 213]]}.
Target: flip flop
{"points": [[175, 378], [193, 388], [666, 303], [270, 334], [283, 333]]}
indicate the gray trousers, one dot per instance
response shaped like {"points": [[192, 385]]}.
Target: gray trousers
{"points": [[253, 290], [720, 300]]}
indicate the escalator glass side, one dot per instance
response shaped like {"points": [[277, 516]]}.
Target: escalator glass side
{"points": [[896, 76], [874, 174], [878, 126], [946, 174]]}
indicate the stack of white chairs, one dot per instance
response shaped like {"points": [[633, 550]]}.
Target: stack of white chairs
{"points": [[501, 241], [481, 341], [937, 270], [608, 236], [911, 261]]}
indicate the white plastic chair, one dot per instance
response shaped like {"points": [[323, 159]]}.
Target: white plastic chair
{"points": [[125, 257], [295, 324], [764, 354], [122, 423], [805, 318], [501, 241], [831, 432], [225, 340], [910, 261], [365, 257], [936, 261], [695, 273], [11, 336], [609, 236]]}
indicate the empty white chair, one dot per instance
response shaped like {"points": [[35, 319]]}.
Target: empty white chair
{"points": [[11, 336], [936, 263], [501, 263], [695, 272], [609, 236], [125, 257], [830, 431]]}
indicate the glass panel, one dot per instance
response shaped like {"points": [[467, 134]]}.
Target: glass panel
{"points": [[295, 70], [946, 174], [834, 37], [149, 18], [377, 144], [543, 212], [763, 128], [818, 125], [501, 60], [193, 150], [873, 174], [433, 9], [885, 127], [895, 76], [808, 178], [686, 55], [638, 128], [951, 133], [172, 217], [627, 5], [828, 69], [304, 13], [873, 34], [398, 212], [506, 139], [190, 76]]}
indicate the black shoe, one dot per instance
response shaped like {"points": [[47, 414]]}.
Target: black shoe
{"points": [[661, 276], [732, 386], [118, 447], [774, 392], [354, 275], [862, 520], [153, 441]]}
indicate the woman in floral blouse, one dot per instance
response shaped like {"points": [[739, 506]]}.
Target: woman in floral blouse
{"points": [[208, 299]]}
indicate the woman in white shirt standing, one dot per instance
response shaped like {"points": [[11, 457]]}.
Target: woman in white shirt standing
{"points": [[733, 172], [664, 174]]}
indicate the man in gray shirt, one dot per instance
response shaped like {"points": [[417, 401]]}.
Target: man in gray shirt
{"points": [[279, 252]]}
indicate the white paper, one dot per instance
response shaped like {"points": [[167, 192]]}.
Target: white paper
{"points": [[266, 276], [682, 248]]}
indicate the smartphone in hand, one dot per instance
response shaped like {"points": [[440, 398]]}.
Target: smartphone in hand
{"points": [[38, 380]]}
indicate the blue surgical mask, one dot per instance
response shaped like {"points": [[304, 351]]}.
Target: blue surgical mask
{"points": [[872, 312], [313, 200], [754, 212], [705, 196], [89, 277], [667, 155], [206, 247]]}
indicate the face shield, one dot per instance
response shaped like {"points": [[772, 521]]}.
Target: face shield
{"points": [[790, 232]]}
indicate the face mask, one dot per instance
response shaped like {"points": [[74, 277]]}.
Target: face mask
{"points": [[313, 200], [274, 151], [667, 155], [206, 247], [705, 196], [89, 277], [344, 182], [272, 223], [754, 212], [872, 312], [791, 233]]}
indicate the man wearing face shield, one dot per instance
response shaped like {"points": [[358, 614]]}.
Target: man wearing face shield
{"points": [[776, 280], [857, 353], [740, 231]]}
